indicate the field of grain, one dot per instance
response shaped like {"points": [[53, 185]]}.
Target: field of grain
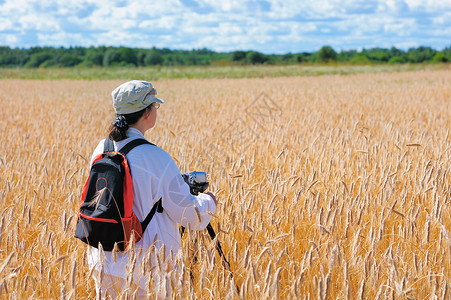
{"points": [[330, 187]]}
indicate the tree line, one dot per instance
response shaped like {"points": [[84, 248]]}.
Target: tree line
{"points": [[45, 57]]}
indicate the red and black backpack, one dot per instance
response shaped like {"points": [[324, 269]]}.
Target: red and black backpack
{"points": [[106, 212]]}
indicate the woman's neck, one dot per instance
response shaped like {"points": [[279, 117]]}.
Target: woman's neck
{"points": [[140, 126]]}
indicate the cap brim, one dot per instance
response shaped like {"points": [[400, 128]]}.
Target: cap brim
{"points": [[155, 99], [158, 100]]}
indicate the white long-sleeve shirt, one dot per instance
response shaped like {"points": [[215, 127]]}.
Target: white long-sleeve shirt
{"points": [[155, 175]]}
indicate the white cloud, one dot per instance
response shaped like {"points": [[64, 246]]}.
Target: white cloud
{"points": [[35, 22], [291, 25], [5, 24], [8, 39]]}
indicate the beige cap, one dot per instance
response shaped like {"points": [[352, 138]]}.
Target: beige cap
{"points": [[134, 96]]}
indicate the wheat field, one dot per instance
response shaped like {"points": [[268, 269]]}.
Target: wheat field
{"points": [[329, 187]]}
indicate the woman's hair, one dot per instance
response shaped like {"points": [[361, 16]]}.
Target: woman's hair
{"points": [[119, 127]]}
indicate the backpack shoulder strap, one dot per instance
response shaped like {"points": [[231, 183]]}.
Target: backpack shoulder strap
{"points": [[157, 207], [132, 144], [108, 145]]}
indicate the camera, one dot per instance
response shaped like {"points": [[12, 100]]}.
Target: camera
{"points": [[197, 181]]}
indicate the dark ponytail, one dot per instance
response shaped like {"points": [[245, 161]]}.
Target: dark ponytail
{"points": [[118, 129]]}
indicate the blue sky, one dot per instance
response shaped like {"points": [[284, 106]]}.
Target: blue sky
{"points": [[268, 26]]}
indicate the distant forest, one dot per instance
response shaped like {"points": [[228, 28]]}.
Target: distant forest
{"points": [[46, 57]]}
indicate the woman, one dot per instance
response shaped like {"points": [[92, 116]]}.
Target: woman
{"points": [[155, 176]]}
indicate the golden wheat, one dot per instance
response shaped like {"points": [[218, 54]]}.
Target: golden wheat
{"points": [[340, 190]]}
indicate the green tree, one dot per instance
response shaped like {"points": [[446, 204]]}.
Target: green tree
{"points": [[37, 59], [360, 59], [178, 58], [288, 58], [300, 58], [141, 56], [13, 57], [398, 60], [256, 57], [346, 56], [166, 51], [326, 54], [93, 57], [447, 53], [440, 58], [303, 57], [421, 54], [49, 63], [69, 60], [122, 56], [378, 55], [238, 55], [395, 52], [112, 57], [153, 57], [128, 56], [192, 59]]}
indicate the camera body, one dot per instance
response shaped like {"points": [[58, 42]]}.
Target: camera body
{"points": [[197, 181]]}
